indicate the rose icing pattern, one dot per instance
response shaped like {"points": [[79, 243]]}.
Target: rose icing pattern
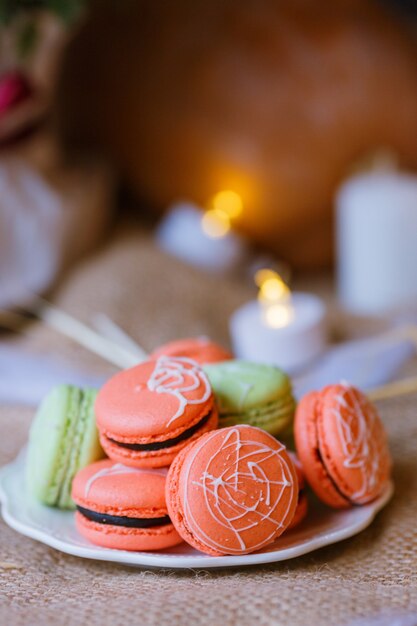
{"points": [[242, 495], [182, 378], [362, 438]]}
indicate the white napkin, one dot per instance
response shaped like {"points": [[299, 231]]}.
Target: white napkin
{"points": [[26, 377], [365, 363]]}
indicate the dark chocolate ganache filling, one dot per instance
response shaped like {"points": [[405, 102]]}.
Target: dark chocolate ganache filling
{"points": [[168, 443], [130, 522]]}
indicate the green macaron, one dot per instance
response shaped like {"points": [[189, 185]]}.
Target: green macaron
{"points": [[63, 439], [252, 393]]}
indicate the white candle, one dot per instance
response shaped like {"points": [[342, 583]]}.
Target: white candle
{"points": [[289, 332], [377, 242], [205, 240]]}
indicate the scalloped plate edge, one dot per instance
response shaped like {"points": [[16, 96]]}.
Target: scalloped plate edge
{"points": [[178, 561]]}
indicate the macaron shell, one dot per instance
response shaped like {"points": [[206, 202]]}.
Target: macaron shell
{"points": [[200, 349], [232, 492], [83, 447], [47, 431], [120, 538], [63, 438], [298, 469], [175, 511], [274, 417], [115, 489], [302, 504], [130, 411], [90, 449], [242, 385], [307, 446], [154, 458], [300, 512], [353, 443]]}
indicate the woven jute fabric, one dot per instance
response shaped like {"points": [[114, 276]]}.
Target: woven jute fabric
{"points": [[372, 574]]}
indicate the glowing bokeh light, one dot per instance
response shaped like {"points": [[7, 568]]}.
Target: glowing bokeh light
{"points": [[275, 298], [229, 202], [215, 223]]}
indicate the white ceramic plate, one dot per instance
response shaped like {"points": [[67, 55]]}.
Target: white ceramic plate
{"points": [[55, 528]]}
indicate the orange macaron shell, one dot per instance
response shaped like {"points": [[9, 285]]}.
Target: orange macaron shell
{"points": [[300, 512], [233, 491], [302, 504], [133, 539], [342, 446], [200, 349], [118, 492], [151, 405], [307, 445], [353, 444], [154, 458]]}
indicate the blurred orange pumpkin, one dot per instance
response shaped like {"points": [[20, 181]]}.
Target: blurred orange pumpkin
{"points": [[275, 100]]}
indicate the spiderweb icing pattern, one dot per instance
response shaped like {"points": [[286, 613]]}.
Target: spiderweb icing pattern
{"points": [[180, 377], [242, 495], [362, 438]]}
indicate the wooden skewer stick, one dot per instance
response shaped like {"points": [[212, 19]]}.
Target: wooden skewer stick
{"points": [[85, 336], [394, 389], [112, 331]]}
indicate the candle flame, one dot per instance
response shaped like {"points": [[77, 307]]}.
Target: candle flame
{"points": [[272, 288], [275, 298], [278, 315]]}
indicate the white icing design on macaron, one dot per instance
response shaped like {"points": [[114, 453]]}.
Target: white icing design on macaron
{"points": [[226, 498], [179, 376], [117, 469], [360, 437]]}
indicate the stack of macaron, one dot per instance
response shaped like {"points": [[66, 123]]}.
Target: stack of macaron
{"points": [[176, 473]]}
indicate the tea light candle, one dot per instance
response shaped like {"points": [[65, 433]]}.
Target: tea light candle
{"points": [[204, 239], [377, 242], [280, 328]]}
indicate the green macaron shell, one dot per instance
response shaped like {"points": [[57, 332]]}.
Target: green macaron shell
{"points": [[63, 439], [273, 418], [252, 393], [85, 448]]}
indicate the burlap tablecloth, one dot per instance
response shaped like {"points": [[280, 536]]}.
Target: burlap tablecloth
{"points": [[373, 573]]}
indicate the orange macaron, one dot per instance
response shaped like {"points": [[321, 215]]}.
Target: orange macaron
{"points": [[200, 349], [342, 445], [302, 502], [148, 413], [123, 507], [233, 491]]}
